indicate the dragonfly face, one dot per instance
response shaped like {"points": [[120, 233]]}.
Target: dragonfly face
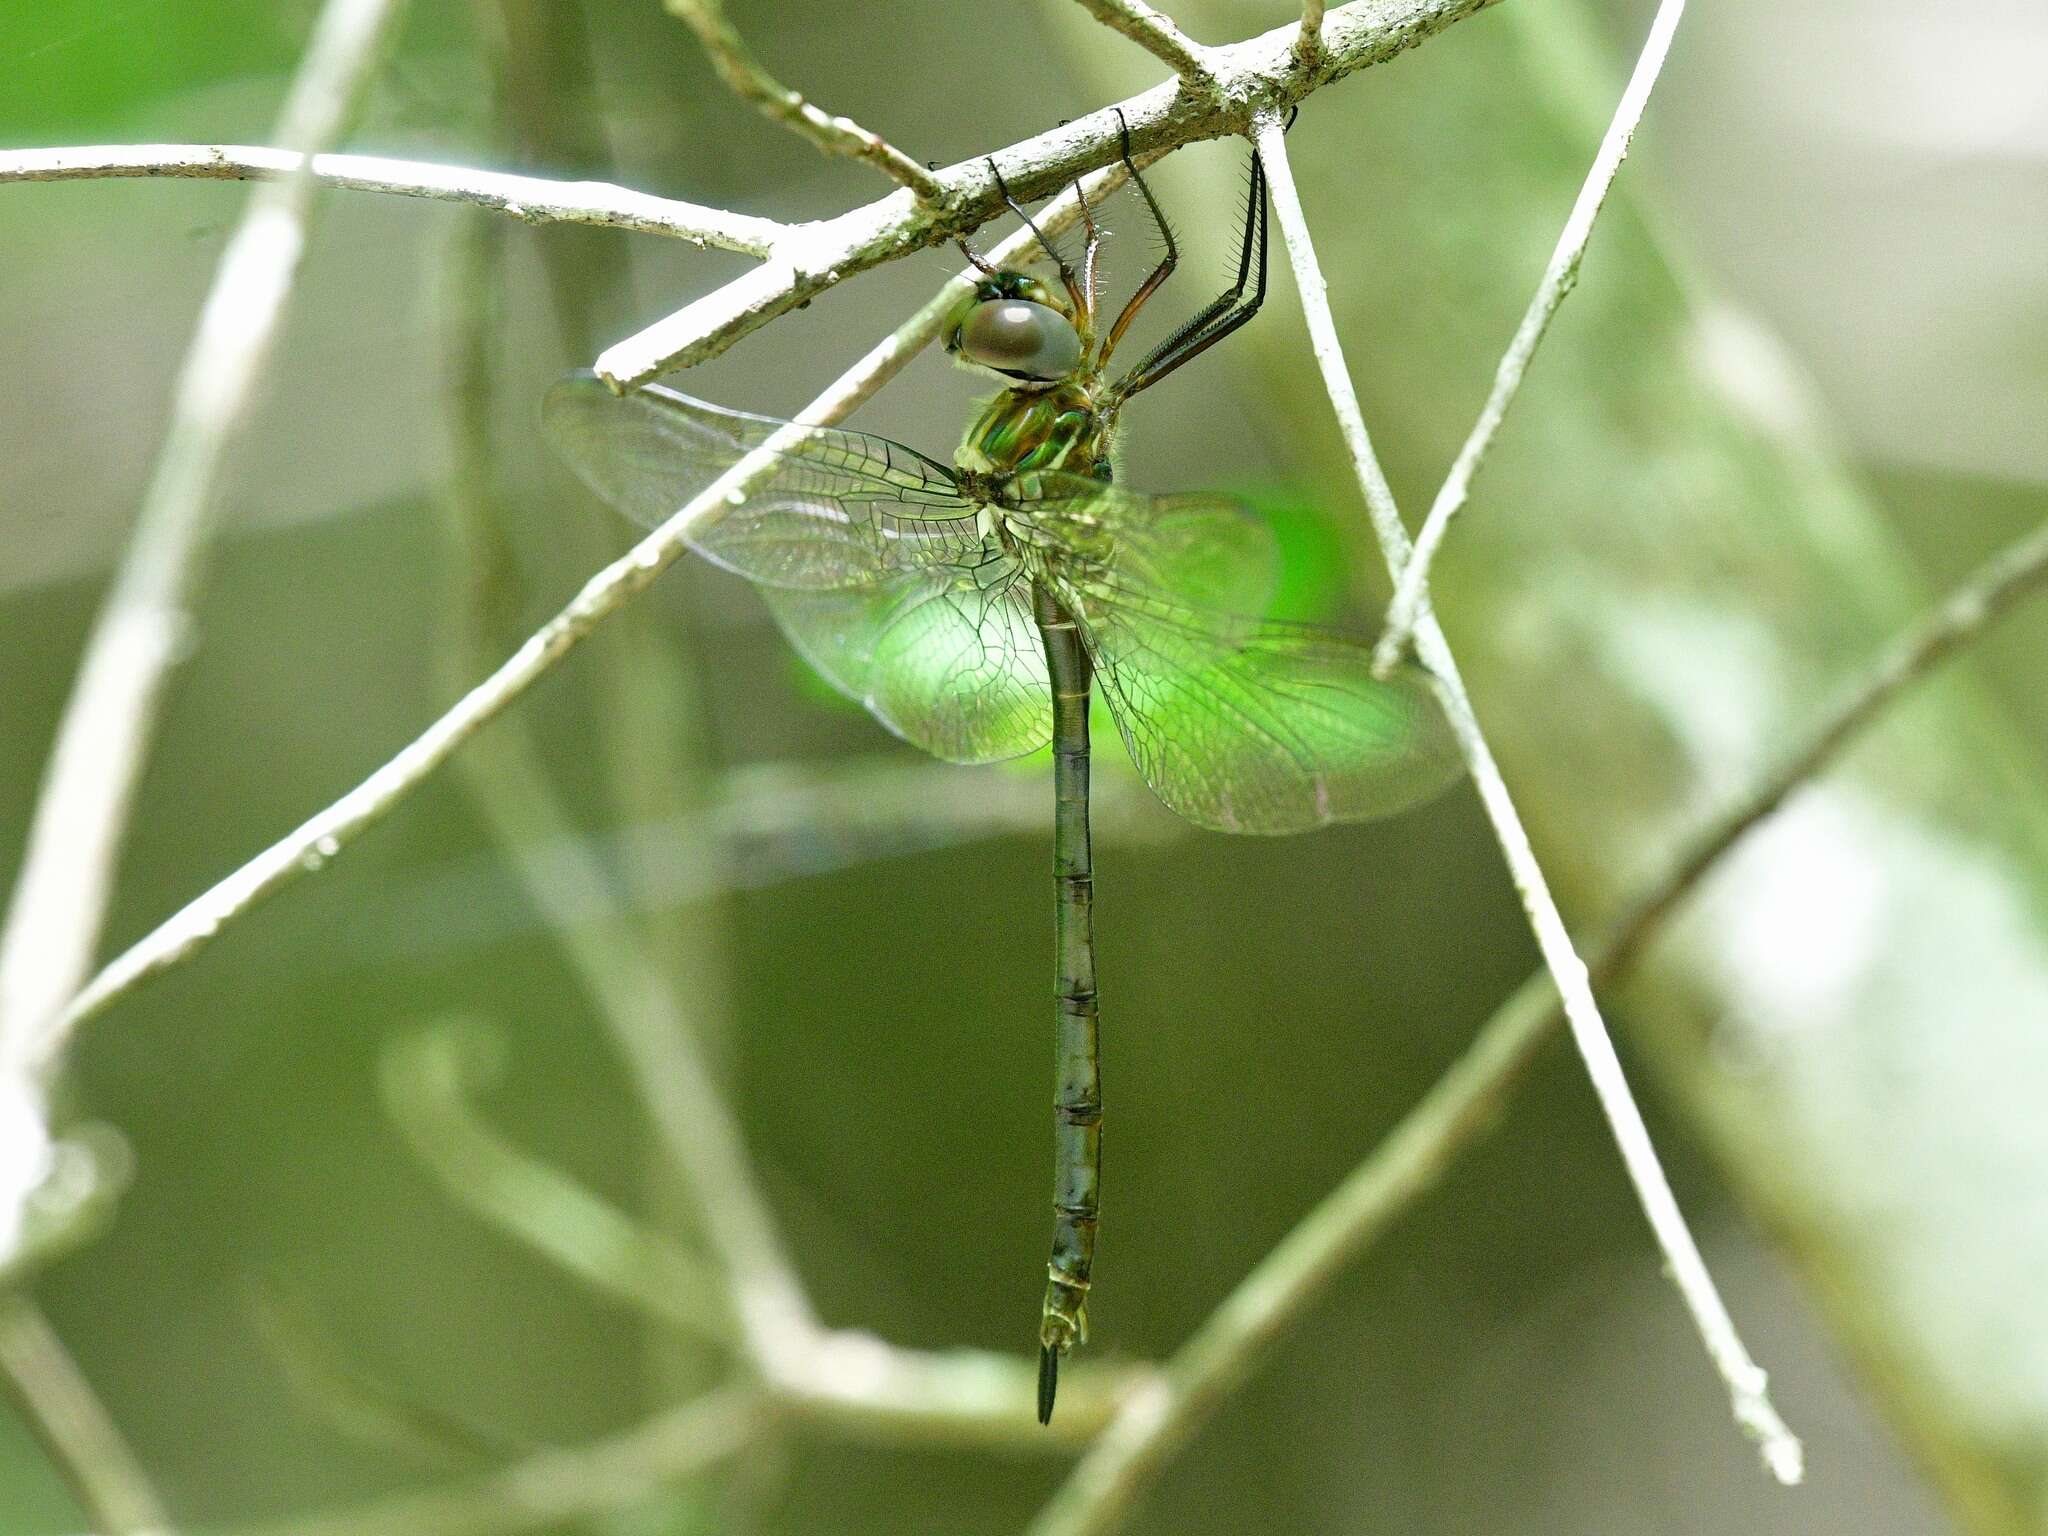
{"points": [[1017, 327]]}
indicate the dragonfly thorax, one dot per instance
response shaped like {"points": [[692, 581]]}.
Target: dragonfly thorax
{"points": [[1026, 431]]}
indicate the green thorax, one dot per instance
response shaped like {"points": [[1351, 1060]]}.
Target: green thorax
{"points": [[1022, 431]]}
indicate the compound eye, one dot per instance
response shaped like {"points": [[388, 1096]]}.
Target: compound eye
{"points": [[1016, 336]]}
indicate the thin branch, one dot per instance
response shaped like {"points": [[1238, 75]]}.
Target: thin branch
{"points": [[864, 1389], [1989, 593], [756, 1283], [1559, 278], [1308, 42], [1155, 32], [558, 1488], [848, 1381], [319, 839], [1260, 71], [426, 1085], [743, 73], [76, 1431], [1745, 1380], [633, 1468], [1160, 1419], [533, 199], [74, 841], [804, 260]]}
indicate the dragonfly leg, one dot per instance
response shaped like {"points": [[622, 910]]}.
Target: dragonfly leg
{"points": [[1068, 279], [1091, 253], [1222, 314], [1077, 1100], [1167, 261]]}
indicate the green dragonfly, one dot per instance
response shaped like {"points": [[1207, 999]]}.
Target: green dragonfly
{"points": [[974, 608]]}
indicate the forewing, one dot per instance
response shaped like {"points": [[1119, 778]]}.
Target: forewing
{"points": [[952, 665], [838, 509], [1252, 726]]}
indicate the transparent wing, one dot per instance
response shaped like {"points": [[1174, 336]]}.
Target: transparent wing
{"points": [[1205, 551], [839, 509], [1251, 726], [950, 660]]}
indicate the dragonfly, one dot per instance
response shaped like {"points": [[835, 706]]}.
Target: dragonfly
{"points": [[975, 608]]}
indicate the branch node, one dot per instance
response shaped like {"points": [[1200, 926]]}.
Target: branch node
{"points": [[1308, 43], [1154, 31], [829, 131]]}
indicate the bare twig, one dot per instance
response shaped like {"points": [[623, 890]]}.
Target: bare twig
{"points": [[854, 1383], [1154, 31], [319, 839], [740, 70], [756, 1283], [534, 199], [1559, 278], [801, 261], [1744, 1378], [74, 840], [1247, 75], [74, 1427], [558, 1488], [1990, 592], [426, 1094], [1308, 42]]}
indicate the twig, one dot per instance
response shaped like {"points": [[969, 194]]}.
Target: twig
{"points": [[1245, 75], [756, 1284], [862, 1388], [850, 1382], [1990, 592], [533, 199], [1745, 1380], [1154, 31], [742, 72], [74, 841], [323, 836], [804, 260], [1308, 42], [1559, 278], [74, 1427], [558, 1488], [426, 1093]]}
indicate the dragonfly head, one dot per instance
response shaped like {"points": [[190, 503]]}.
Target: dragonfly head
{"points": [[1017, 327]]}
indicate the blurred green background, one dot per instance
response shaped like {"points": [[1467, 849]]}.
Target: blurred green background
{"points": [[1798, 391]]}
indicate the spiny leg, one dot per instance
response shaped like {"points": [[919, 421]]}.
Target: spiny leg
{"points": [[1090, 253], [1167, 262], [975, 259], [1222, 314], [1077, 1100], [1073, 285]]}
